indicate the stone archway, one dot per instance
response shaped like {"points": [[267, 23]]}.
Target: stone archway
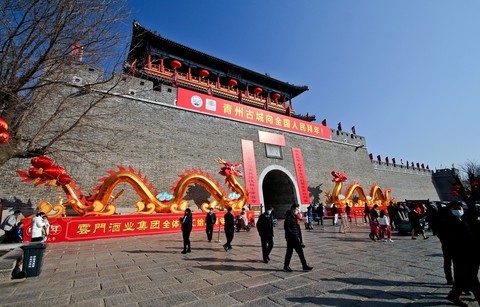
{"points": [[278, 191]]}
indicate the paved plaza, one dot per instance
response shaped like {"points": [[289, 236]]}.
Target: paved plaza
{"points": [[349, 270]]}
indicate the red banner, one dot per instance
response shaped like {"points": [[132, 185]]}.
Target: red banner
{"points": [[250, 170], [301, 176], [227, 109], [91, 228]]}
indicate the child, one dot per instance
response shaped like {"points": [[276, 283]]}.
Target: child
{"points": [[18, 233], [374, 230], [384, 226]]}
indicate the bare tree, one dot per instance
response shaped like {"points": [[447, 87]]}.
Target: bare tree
{"points": [[467, 183], [39, 39]]}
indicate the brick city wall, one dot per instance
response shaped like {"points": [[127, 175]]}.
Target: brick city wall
{"points": [[151, 134]]}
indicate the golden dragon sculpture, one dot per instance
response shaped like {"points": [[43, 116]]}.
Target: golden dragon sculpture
{"points": [[44, 171], [354, 190]]}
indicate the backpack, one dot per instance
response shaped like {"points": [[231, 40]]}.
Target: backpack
{"points": [[4, 223]]}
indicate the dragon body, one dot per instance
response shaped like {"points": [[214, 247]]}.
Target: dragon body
{"points": [[354, 190], [103, 203]]}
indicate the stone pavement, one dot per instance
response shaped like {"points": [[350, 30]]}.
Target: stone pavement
{"points": [[349, 270]]}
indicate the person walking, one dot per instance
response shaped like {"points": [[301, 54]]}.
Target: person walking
{"points": [[320, 214], [38, 225], [374, 213], [229, 228], [292, 236], [348, 210], [210, 221], [385, 227], [414, 217], [265, 230], [9, 225], [366, 213], [461, 241], [186, 222], [334, 212]]}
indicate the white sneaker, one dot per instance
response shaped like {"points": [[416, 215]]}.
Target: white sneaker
{"points": [[390, 240]]}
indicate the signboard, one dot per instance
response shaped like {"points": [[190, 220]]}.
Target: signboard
{"points": [[67, 229], [219, 107], [301, 176], [250, 170]]}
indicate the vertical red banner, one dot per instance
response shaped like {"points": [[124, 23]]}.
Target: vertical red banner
{"points": [[301, 176], [250, 168]]}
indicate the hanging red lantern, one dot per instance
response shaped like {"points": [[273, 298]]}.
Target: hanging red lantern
{"points": [[276, 96], [3, 125], [64, 180], [232, 82], [203, 73], [4, 137], [175, 64], [54, 172], [257, 90], [41, 162]]}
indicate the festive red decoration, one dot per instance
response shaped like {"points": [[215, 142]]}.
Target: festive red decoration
{"points": [[258, 90], [175, 64], [232, 82], [454, 193], [4, 137], [54, 172], [203, 73], [3, 125], [276, 96], [41, 162], [338, 177], [64, 179]]}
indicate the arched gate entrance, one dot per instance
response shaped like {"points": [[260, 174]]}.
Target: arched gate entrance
{"points": [[279, 191]]}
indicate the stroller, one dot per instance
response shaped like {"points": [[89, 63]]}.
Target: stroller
{"points": [[240, 224]]}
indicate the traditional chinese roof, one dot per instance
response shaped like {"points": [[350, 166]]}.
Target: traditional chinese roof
{"points": [[145, 43]]}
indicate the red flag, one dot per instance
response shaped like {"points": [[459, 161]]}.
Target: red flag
{"points": [[287, 111], [379, 159], [133, 66], [353, 129], [386, 160], [324, 122], [340, 126], [308, 117], [76, 51], [209, 90], [393, 161], [239, 100], [370, 156], [174, 79]]}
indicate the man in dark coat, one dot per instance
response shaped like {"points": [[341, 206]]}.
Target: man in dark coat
{"points": [[265, 230], [210, 221], [292, 236], [461, 240], [229, 228], [186, 222]]}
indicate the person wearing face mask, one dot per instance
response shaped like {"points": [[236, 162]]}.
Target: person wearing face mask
{"points": [[292, 236], [210, 221], [461, 243], [265, 230]]}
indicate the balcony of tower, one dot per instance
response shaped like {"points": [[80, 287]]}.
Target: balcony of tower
{"points": [[205, 85]]}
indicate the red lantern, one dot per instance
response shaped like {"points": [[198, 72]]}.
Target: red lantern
{"points": [[276, 96], [175, 64], [4, 137], [203, 73], [3, 125], [54, 172], [33, 172], [232, 82], [257, 90], [41, 162], [64, 180]]}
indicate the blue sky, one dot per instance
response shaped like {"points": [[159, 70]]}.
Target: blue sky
{"points": [[406, 74]]}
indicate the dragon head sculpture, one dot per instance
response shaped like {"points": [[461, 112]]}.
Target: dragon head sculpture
{"points": [[229, 169], [338, 177]]}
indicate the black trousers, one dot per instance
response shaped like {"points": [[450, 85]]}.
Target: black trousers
{"points": [[186, 240], [209, 231], [297, 246], [447, 262], [267, 245], [229, 235], [465, 273], [9, 236]]}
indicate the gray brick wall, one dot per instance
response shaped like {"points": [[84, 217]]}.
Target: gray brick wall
{"points": [[145, 130]]}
